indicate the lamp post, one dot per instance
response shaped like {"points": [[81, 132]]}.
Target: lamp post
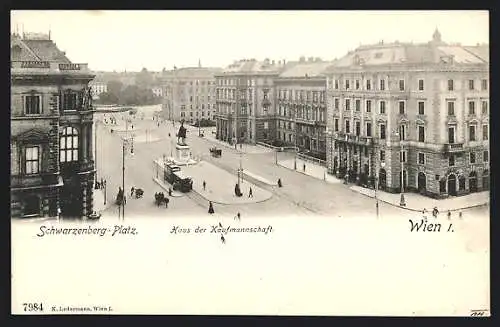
{"points": [[402, 200], [295, 138], [125, 142]]}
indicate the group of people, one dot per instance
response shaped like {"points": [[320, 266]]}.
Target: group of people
{"points": [[435, 213], [112, 120], [160, 199], [100, 184]]}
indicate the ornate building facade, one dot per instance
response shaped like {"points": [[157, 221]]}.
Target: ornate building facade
{"points": [[301, 107], [52, 167], [245, 100], [411, 117], [189, 94]]}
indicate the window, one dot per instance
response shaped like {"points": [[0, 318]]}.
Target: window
{"points": [[347, 104], [208, 106], [202, 106], [182, 114], [368, 105], [484, 107], [382, 85], [358, 105], [357, 84], [472, 158], [484, 85], [347, 126], [347, 84], [451, 108], [421, 108], [191, 98], [32, 105], [472, 133], [382, 155], [336, 125], [420, 84], [402, 156], [358, 128], [402, 133], [368, 129], [368, 84], [450, 85], [401, 84], [421, 133], [401, 107], [69, 102], [336, 101], [421, 158], [382, 107], [191, 113], [451, 161], [32, 155], [68, 145], [336, 84], [485, 132], [266, 125], [471, 84], [485, 156], [472, 109], [382, 131]]}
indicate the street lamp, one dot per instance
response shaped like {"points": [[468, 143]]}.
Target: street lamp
{"points": [[402, 200], [125, 142], [295, 138]]}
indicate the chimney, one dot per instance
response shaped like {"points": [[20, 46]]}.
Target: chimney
{"points": [[302, 59]]}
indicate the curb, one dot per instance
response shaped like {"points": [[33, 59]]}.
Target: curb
{"points": [[418, 210], [253, 177], [300, 172], [166, 189]]}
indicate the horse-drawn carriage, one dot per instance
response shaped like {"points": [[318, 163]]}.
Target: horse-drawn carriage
{"points": [[215, 152]]}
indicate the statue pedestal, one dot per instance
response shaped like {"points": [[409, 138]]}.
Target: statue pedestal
{"points": [[183, 155]]}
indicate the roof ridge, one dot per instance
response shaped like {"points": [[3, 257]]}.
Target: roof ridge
{"points": [[472, 53]]}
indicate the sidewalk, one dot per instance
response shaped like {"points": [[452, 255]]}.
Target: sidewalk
{"points": [[220, 185], [166, 186], [246, 148], [417, 202], [313, 170]]}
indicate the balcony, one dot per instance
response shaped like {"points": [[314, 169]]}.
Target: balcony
{"points": [[354, 139], [266, 103], [34, 181], [454, 147]]}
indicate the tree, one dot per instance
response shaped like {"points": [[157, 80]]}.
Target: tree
{"points": [[115, 87], [144, 78]]}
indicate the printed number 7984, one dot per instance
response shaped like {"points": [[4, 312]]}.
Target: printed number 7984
{"points": [[33, 307]]}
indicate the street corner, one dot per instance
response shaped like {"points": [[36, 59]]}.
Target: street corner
{"points": [[220, 185]]}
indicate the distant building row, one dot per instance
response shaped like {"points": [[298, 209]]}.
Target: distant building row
{"points": [[403, 116]]}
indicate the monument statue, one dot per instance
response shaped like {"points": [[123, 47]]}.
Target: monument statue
{"points": [[181, 134]]}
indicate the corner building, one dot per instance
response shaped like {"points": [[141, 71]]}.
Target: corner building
{"points": [[52, 165], [411, 117], [245, 101]]}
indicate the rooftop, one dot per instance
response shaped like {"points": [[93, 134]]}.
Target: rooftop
{"points": [[308, 69], [433, 52], [252, 66]]}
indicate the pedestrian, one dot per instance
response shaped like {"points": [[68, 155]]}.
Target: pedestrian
{"points": [[211, 208], [223, 240], [241, 146], [132, 190], [250, 193], [449, 214], [435, 212], [220, 225], [304, 167], [238, 216], [424, 213], [204, 185], [460, 215], [279, 182], [167, 200]]}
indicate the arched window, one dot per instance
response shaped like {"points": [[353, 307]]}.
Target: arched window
{"points": [[69, 145]]}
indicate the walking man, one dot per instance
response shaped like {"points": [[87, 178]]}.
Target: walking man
{"points": [[132, 190], [304, 167], [449, 214], [223, 240], [460, 215], [211, 208], [250, 193], [238, 216], [204, 185]]}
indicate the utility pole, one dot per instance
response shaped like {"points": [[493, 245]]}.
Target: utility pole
{"points": [[123, 180]]}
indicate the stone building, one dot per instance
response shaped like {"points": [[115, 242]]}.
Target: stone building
{"points": [[245, 101], [189, 94], [415, 116], [52, 167], [301, 106]]}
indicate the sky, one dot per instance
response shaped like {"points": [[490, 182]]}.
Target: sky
{"points": [[132, 40]]}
